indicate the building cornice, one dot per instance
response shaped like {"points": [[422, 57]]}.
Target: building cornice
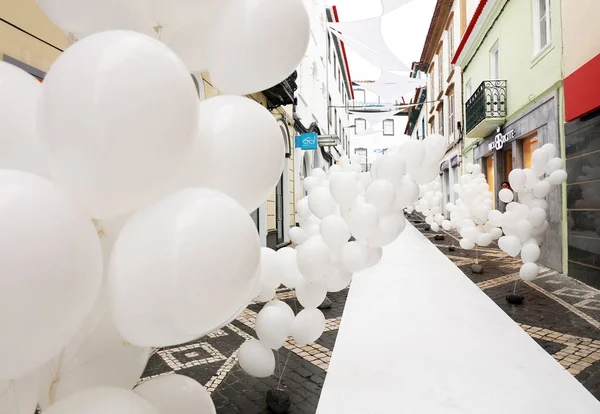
{"points": [[436, 29]]}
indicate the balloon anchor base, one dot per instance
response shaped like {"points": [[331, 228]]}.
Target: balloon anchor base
{"points": [[278, 401], [439, 237], [451, 248], [326, 303], [477, 268], [514, 299]]}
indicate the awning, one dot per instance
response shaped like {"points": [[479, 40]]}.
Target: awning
{"points": [[454, 161], [444, 166]]}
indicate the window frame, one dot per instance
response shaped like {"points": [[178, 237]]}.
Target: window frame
{"points": [[451, 121], [537, 32], [495, 61], [388, 121], [356, 122], [441, 128]]}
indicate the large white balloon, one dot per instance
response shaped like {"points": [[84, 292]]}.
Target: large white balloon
{"points": [[406, 193], [536, 216], [354, 256], [363, 220], [511, 245], [308, 326], [541, 189], [530, 252], [339, 280], [291, 274], [314, 260], [335, 231], [50, 272], [273, 325], [517, 179], [176, 394], [505, 195], [248, 176], [381, 194], [321, 202], [117, 146], [391, 224], [391, 167], [245, 56], [311, 294], [529, 271], [103, 400], [298, 235], [256, 359], [19, 145], [344, 188], [557, 177], [271, 268], [96, 357], [161, 299]]}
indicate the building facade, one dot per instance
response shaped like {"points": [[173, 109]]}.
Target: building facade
{"points": [[581, 68], [510, 57], [323, 97]]}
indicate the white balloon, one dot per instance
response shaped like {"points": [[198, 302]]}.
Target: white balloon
{"points": [[467, 244], [435, 148], [303, 209], [511, 245], [530, 252], [406, 193], [531, 179], [414, 153], [375, 255], [363, 220], [334, 231], [119, 146], [425, 173], [471, 233], [161, 300], [291, 274], [435, 227], [390, 167], [245, 58], [391, 224], [524, 228], [550, 150], [485, 239], [103, 400], [553, 165], [536, 216], [539, 158], [273, 326], [271, 268], [496, 233], [256, 359], [446, 225], [470, 167], [495, 217], [557, 177], [50, 272], [176, 394], [264, 293], [381, 194], [344, 188], [529, 271], [311, 294], [505, 195], [541, 189], [321, 202], [96, 357], [308, 326], [19, 146], [540, 203], [310, 183], [314, 260], [517, 179], [19, 396], [247, 179], [338, 281], [354, 256]]}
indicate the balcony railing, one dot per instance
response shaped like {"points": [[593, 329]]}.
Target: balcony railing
{"points": [[487, 102], [283, 93]]}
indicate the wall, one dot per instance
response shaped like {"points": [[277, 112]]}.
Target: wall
{"points": [[580, 34], [18, 45]]}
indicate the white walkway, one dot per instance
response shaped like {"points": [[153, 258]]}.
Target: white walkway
{"points": [[417, 336]]}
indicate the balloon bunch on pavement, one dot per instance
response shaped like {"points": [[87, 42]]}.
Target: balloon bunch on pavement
{"points": [[125, 201], [524, 222], [345, 220], [430, 203], [472, 213]]}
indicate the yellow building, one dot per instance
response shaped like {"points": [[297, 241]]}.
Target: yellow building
{"points": [[29, 40]]}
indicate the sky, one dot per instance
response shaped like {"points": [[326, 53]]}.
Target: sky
{"points": [[404, 30]]}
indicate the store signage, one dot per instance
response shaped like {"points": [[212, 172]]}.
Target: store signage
{"points": [[501, 139], [308, 141]]}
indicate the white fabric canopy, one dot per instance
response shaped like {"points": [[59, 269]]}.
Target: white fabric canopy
{"points": [[392, 87], [365, 38], [391, 5]]}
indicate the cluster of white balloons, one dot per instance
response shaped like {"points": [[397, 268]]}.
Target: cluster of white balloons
{"points": [[472, 214], [430, 203], [521, 229], [116, 143], [342, 203], [524, 222]]}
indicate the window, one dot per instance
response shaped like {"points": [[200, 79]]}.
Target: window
{"points": [[469, 89], [340, 129], [451, 125], [495, 61], [359, 96], [329, 111], [361, 125], [440, 72], [388, 127], [450, 46], [441, 122], [541, 24], [335, 70], [423, 127], [335, 124], [529, 145], [329, 47]]}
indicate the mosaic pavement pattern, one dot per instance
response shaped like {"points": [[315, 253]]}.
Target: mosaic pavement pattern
{"points": [[560, 313]]}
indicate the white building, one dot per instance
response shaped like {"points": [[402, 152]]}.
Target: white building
{"points": [[323, 96]]}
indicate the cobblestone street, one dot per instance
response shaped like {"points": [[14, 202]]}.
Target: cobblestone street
{"points": [[561, 314]]}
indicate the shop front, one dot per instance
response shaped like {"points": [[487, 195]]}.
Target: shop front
{"points": [[511, 146]]}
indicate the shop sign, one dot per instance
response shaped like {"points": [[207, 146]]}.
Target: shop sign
{"points": [[308, 141], [501, 139]]}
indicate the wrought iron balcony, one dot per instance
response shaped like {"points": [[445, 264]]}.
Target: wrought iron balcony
{"points": [[486, 108], [283, 93]]}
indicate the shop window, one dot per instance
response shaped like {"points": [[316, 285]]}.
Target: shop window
{"points": [[388, 127], [541, 24], [489, 172], [529, 145]]}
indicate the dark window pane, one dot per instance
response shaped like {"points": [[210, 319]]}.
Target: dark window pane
{"points": [[588, 275], [584, 168], [584, 196], [582, 136]]}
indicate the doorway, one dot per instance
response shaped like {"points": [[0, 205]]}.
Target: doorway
{"points": [[489, 173], [529, 145]]}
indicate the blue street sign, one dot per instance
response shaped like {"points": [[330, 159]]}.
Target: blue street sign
{"points": [[307, 141]]}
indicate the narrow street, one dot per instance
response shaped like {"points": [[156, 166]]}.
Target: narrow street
{"points": [[560, 313]]}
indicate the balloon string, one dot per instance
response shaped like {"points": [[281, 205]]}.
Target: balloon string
{"points": [[476, 255], [278, 364], [515, 287], [283, 370]]}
